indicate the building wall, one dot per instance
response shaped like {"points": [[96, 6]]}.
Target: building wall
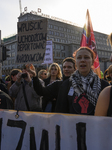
{"points": [[66, 39]]}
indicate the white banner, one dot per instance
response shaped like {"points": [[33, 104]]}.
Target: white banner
{"points": [[43, 131], [48, 59]]}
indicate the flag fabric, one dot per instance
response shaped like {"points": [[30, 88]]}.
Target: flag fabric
{"points": [[88, 39]]}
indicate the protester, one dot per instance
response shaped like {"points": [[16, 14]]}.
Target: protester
{"points": [[104, 104], [42, 74], [79, 94], [3, 86], [54, 88], [22, 90], [7, 79], [13, 77], [54, 73], [5, 101], [108, 74]]}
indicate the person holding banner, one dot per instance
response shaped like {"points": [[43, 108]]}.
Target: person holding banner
{"points": [[42, 74], [79, 94], [54, 73], [54, 88], [104, 103]]}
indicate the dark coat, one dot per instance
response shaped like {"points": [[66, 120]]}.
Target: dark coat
{"points": [[62, 105], [6, 102], [51, 90], [47, 99]]}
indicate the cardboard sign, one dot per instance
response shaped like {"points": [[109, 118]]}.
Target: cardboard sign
{"points": [[32, 37], [50, 131], [48, 59]]}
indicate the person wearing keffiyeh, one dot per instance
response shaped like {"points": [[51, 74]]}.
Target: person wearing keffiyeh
{"points": [[79, 94]]}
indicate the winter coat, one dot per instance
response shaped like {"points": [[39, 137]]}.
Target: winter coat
{"points": [[16, 91]]}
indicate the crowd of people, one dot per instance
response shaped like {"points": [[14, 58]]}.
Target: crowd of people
{"points": [[75, 89]]}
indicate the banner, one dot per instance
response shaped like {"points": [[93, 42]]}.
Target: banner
{"points": [[88, 39], [48, 59], [32, 36], [50, 131]]}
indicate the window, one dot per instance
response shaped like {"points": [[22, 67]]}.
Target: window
{"points": [[13, 61], [61, 28], [68, 30], [102, 53], [13, 46], [50, 26], [57, 46], [63, 54], [9, 62], [62, 47], [9, 54], [109, 54], [57, 33], [56, 27], [13, 54], [52, 38], [64, 29], [49, 32], [105, 53], [99, 53]]}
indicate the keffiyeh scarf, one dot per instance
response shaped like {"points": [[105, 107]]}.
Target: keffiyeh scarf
{"points": [[90, 85]]}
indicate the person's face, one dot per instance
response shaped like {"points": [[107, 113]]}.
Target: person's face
{"points": [[44, 75], [25, 71], [110, 74], [68, 68], [54, 71], [84, 62], [14, 78]]}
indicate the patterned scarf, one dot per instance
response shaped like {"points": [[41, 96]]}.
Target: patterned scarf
{"points": [[82, 85]]}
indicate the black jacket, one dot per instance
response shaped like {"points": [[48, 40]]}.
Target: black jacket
{"points": [[62, 105], [51, 90], [6, 102], [47, 99]]}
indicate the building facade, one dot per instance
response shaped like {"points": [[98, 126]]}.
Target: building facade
{"points": [[66, 38]]}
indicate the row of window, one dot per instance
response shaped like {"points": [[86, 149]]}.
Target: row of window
{"points": [[63, 29], [99, 40], [104, 53], [9, 62], [12, 46], [59, 54], [11, 54], [59, 47], [54, 33]]}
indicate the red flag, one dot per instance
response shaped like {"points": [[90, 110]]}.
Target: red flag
{"points": [[88, 39]]}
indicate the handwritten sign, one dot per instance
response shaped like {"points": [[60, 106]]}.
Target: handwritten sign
{"points": [[32, 37], [40, 131], [48, 59]]}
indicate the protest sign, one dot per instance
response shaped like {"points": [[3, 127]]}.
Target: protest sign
{"points": [[48, 59], [32, 37], [46, 131]]}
